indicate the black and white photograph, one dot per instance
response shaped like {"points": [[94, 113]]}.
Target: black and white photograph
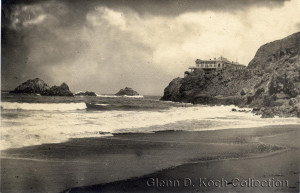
{"points": [[160, 96]]}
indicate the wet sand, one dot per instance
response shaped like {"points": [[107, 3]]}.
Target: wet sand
{"points": [[126, 162]]}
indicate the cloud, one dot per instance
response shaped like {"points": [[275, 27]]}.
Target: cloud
{"points": [[109, 47], [297, 25], [154, 7]]}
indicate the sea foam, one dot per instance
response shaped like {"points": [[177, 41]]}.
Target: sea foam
{"points": [[39, 127], [117, 96], [43, 106]]}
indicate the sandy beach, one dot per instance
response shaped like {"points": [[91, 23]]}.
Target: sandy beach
{"points": [[140, 162]]}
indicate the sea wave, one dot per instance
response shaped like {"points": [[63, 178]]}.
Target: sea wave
{"points": [[116, 96], [107, 96], [100, 104], [43, 106], [135, 96], [24, 128]]}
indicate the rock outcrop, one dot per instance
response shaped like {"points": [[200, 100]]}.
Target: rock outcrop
{"points": [[270, 84], [86, 93], [127, 91], [38, 86], [62, 90], [172, 92], [35, 86]]}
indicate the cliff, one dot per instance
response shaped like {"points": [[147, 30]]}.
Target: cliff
{"points": [[270, 84], [127, 91], [38, 86]]}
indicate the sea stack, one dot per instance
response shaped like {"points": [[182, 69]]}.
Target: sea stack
{"points": [[35, 86], [38, 86], [62, 90], [127, 91]]}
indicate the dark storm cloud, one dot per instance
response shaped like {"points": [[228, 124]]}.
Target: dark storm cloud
{"points": [[158, 7], [83, 42], [45, 40], [17, 40], [174, 7], [143, 7]]}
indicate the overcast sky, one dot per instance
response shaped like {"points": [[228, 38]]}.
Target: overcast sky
{"points": [[103, 46]]}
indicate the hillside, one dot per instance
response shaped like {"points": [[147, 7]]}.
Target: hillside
{"points": [[270, 84]]}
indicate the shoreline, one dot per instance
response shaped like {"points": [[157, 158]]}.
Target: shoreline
{"points": [[135, 182], [132, 156]]}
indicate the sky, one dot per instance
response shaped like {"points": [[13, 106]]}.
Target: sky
{"points": [[106, 45]]}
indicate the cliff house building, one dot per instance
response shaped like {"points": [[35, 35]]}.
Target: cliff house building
{"points": [[216, 64]]}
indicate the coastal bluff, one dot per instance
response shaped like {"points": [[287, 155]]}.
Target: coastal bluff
{"points": [[38, 86], [270, 84]]}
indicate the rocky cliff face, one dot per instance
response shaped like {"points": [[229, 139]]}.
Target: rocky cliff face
{"points": [[38, 86], [270, 53], [270, 84], [172, 93], [127, 91]]}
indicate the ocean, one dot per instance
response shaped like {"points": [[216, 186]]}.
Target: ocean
{"points": [[28, 120]]}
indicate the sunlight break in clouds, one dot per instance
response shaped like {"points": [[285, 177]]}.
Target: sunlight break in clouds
{"points": [[112, 48]]}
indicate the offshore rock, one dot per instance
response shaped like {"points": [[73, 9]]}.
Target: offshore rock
{"points": [[38, 86], [62, 90], [35, 86], [127, 91]]}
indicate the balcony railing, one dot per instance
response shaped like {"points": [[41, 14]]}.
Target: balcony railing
{"points": [[193, 67]]}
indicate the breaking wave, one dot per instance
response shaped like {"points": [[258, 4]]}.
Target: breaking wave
{"points": [[116, 96], [54, 125], [43, 106]]}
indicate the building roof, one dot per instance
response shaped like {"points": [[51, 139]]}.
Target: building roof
{"points": [[221, 58]]}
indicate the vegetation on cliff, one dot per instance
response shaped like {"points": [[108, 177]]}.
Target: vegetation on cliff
{"points": [[270, 84]]}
